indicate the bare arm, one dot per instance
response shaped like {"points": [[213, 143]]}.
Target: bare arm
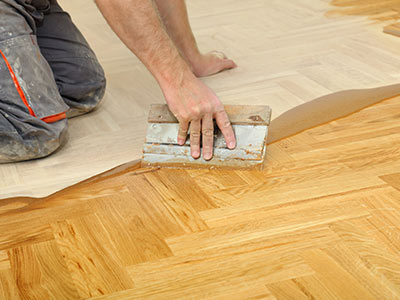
{"points": [[138, 25], [175, 18], [176, 21]]}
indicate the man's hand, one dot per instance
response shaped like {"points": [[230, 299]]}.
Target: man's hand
{"points": [[195, 106], [211, 63]]}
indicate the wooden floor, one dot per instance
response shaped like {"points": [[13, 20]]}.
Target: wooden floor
{"points": [[385, 12], [322, 221], [288, 53]]}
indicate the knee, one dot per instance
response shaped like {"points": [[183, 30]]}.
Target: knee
{"points": [[92, 80], [31, 140], [96, 89], [86, 89]]}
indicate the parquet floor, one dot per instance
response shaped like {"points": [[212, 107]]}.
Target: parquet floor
{"points": [[288, 53], [322, 221]]}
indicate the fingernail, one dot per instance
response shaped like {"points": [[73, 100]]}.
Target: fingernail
{"points": [[231, 145], [195, 154], [207, 156]]}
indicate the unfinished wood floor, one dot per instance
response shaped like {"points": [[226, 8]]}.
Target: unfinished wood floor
{"points": [[288, 53], [322, 221]]}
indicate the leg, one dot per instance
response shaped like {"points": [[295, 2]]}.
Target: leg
{"points": [[32, 112], [78, 74]]}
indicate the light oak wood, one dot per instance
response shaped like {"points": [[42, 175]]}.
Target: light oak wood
{"points": [[4, 261], [8, 287], [288, 53], [34, 268], [321, 221]]}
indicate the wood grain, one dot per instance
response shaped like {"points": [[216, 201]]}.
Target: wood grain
{"points": [[8, 287], [321, 221], [4, 261], [40, 272], [92, 262]]}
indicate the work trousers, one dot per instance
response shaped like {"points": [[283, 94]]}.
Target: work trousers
{"points": [[47, 73]]}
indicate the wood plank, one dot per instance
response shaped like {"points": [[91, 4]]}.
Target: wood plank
{"points": [[392, 179], [211, 181], [289, 290], [332, 206], [17, 235], [40, 272], [248, 291], [8, 287], [212, 276], [131, 238], [314, 287], [385, 222], [235, 240], [376, 284], [148, 204], [178, 201], [188, 188], [90, 257], [4, 261], [334, 277]]}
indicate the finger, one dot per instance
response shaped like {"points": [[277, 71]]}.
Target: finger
{"points": [[182, 132], [207, 132], [195, 138], [226, 128]]}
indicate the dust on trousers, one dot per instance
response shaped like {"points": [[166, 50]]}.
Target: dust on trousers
{"points": [[47, 73]]}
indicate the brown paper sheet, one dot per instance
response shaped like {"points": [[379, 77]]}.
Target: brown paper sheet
{"points": [[326, 109]]}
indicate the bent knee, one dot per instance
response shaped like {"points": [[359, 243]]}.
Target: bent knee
{"points": [[83, 86], [31, 140]]}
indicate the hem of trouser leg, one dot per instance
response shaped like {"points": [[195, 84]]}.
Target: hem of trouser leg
{"points": [[17, 85], [54, 118]]}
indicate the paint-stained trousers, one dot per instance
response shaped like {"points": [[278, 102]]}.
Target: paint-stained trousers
{"points": [[47, 73]]}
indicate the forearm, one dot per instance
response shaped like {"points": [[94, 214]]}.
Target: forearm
{"points": [[175, 17], [138, 25]]}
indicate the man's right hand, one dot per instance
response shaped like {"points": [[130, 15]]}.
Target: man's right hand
{"points": [[195, 106]]}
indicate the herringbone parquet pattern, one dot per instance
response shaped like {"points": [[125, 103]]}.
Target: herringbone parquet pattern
{"points": [[288, 52], [322, 221]]}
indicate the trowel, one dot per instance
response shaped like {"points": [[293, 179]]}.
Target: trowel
{"points": [[250, 125]]}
